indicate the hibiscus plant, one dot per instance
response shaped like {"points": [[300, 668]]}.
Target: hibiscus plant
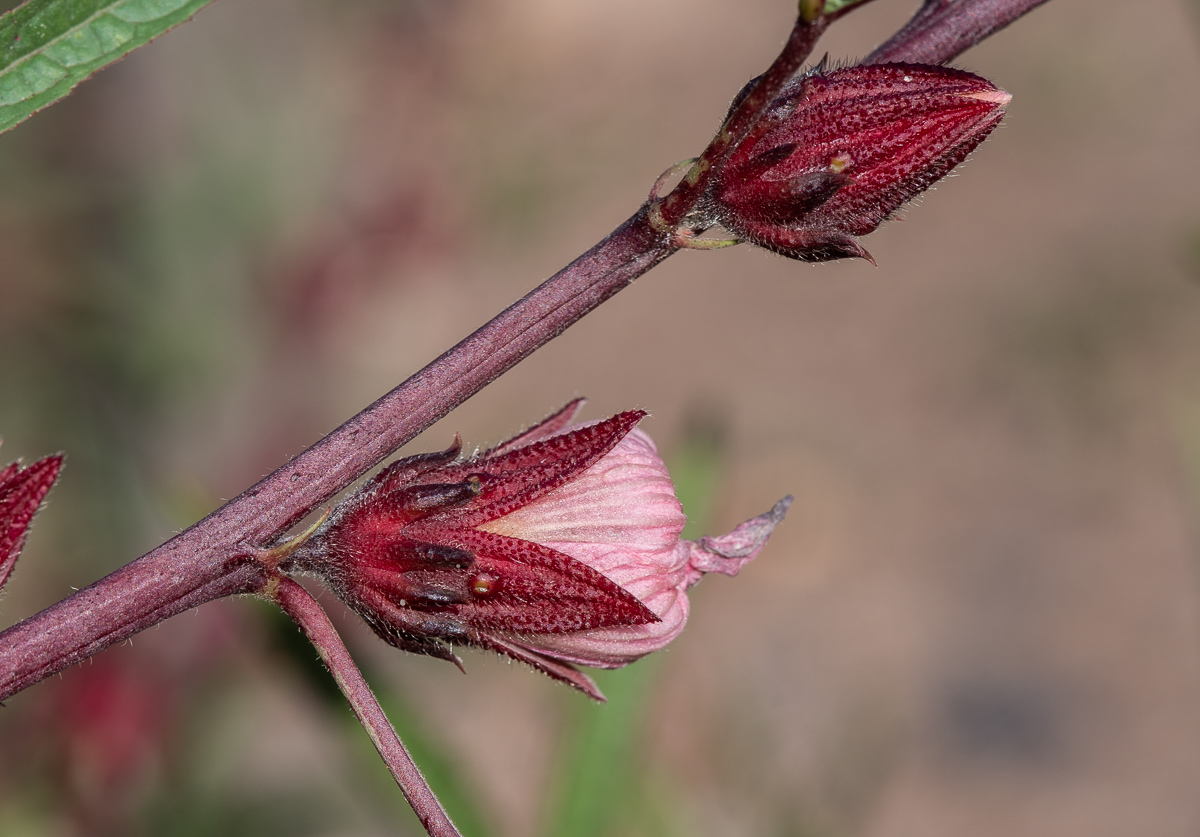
{"points": [[560, 548]]}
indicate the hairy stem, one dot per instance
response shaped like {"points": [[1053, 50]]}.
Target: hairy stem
{"points": [[157, 586], [297, 603], [943, 29]]}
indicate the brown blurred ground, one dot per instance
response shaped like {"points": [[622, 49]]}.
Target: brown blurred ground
{"points": [[981, 617]]}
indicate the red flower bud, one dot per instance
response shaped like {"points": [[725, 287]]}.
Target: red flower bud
{"points": [[840, 151], [559, 547], [21, 493]]}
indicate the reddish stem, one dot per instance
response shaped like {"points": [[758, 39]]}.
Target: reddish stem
{"points": [[312, 619], [943, 29]]}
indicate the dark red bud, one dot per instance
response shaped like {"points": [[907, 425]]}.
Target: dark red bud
{"points": [[840, 151]]}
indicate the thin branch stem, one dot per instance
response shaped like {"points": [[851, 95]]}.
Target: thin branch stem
{"points": [[943, 29], [138, 596], [306, 612]]}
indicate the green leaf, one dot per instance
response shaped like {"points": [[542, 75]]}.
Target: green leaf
{"points": [[49, 46]]}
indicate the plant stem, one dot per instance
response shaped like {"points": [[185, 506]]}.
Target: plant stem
{"points": [[141, 594], [943, 29], [299, 604]]}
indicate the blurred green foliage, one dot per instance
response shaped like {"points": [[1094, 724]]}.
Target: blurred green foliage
{"points": [[601, 775], [196, 814]]}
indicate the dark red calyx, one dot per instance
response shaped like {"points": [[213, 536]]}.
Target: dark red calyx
{"points": [[405, 551], [840, 151], [22, 491], [519, 476]]}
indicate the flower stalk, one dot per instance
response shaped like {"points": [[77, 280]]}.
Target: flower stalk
{"points": [[941, 30], [299, 604]]}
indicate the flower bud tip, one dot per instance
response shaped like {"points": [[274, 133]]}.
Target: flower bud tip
{"points": [[999, 98]]}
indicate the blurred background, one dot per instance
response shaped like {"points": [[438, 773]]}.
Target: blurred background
{"points": [[982, 615]]}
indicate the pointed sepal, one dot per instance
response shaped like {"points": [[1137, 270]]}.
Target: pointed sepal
{"points": [[22, 491]]}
